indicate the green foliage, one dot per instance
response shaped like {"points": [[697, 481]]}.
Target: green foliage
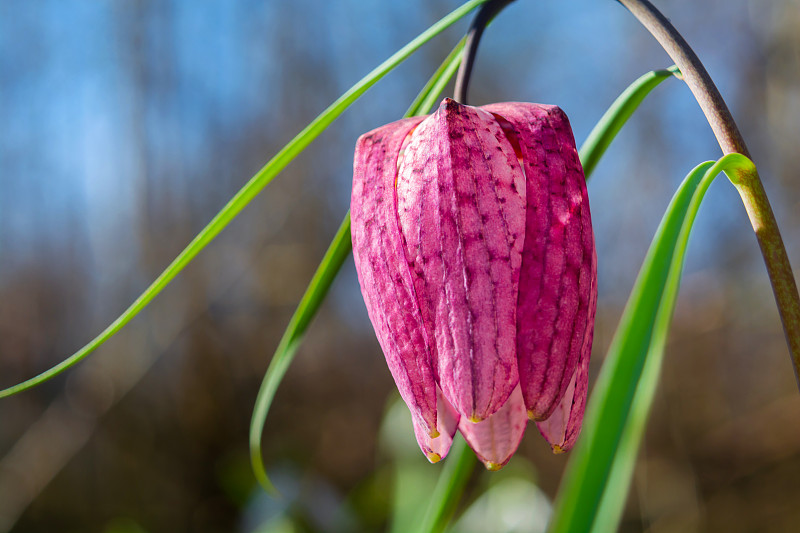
{"points": [[595, 486], [618, 114], [326, 272], [246, 194]]}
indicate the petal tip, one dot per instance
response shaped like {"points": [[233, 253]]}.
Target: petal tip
{"points": [[493, 467], [558, 450], [532, 416], [433, 457]]}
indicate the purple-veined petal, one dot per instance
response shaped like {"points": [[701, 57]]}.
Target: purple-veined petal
{"points": [[563, 426], [435, 449], [384, 274], [461, 204], [495, 439], [557, 287]]}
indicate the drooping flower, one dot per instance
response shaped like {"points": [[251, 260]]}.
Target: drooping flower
{"points": [[473, 243]]}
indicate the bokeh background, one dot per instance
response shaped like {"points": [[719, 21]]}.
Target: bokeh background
{"points": [[125, 127]]}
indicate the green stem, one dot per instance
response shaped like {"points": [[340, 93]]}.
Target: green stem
{"points": [[749, 184], [447, 493]]}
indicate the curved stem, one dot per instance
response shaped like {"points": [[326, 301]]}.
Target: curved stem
{"points": [[748, 183], [486, 13]]}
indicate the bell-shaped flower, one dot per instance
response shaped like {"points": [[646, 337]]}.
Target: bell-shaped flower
{"points": [[473, 243]]}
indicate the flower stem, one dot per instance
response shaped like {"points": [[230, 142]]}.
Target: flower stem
{"points": [[485, 14], [748, 183]]}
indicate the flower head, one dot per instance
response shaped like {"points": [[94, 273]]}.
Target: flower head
{"points": [[473, 243]]}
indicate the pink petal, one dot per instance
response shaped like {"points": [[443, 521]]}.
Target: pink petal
{"points": [[461, 204], [383, 273], [435, 449], [496, 439], [561, 430], [558, 282]]}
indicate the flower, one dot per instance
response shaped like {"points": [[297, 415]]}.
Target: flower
{"points": [[473, 244]]}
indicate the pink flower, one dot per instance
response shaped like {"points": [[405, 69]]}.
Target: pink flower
{"points": [[473, 243]]}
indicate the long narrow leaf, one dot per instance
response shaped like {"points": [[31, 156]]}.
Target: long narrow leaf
{"points": [[261, 179], [452, 481], [320, 284], [432, 90], [618, 114], [595, 486], [292, 337]]}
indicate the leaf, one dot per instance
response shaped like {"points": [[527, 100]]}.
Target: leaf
{"points": [[618, 114], [595, 485], [292, 337], [249, 191], [320, 284], [452, 481]]}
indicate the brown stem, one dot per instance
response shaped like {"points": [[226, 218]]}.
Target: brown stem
{"points": [[485, 15], [748, 184]]}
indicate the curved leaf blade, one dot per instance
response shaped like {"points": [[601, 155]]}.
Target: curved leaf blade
{"points": [[449, 487], [331, 263], [599, 139], [246, 194], [320, 284], [595, 486]]}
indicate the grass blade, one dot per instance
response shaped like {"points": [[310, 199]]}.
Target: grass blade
{"points": [[455, 474], [618, 114], [320, 284], [594, 488], [433, 89], [249, 191]]}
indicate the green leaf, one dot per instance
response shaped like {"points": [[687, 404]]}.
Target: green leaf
{"points": [[595, 485], [618, 114], [246, 194], [433, 89], [292, 337], [452, 481], [320, 284]]}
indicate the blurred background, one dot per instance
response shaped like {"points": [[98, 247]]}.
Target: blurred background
{"points": [[127, 125]]}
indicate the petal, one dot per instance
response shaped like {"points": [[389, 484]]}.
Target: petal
{"points": [[461, 204], [561, 430], [495, 439], [558, 282], [435, 449], [383, 273]]}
